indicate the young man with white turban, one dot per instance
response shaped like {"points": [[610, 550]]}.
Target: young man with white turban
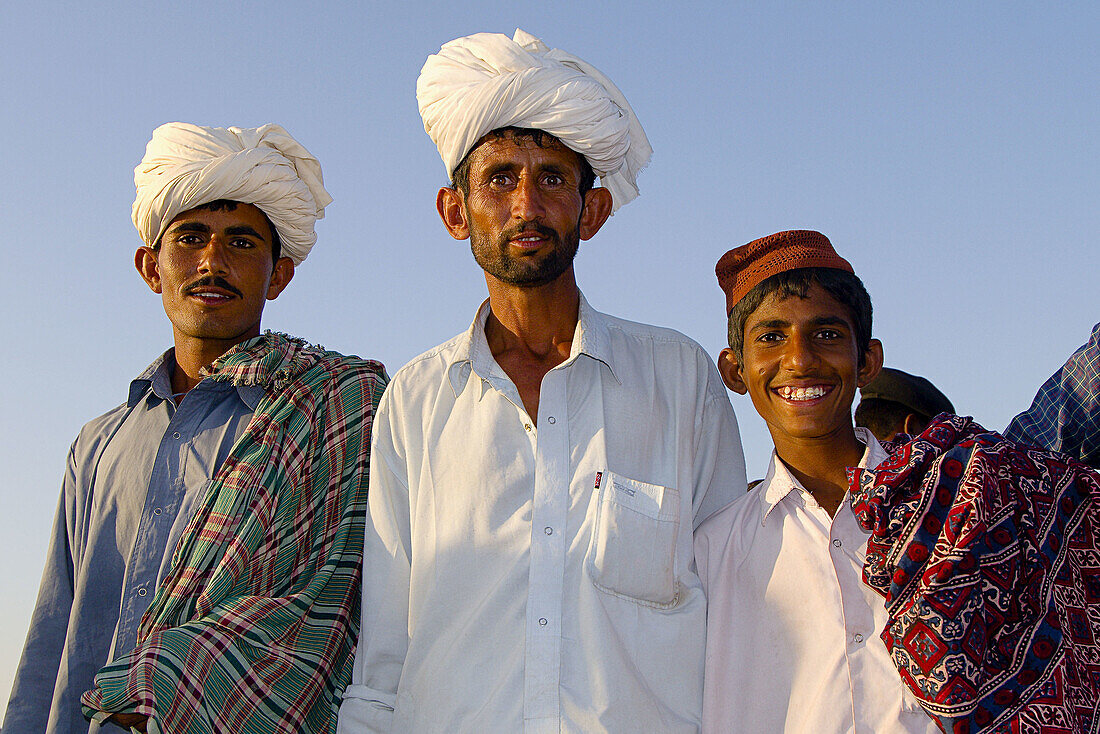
{"points": [[537, 479], [206, 554]]}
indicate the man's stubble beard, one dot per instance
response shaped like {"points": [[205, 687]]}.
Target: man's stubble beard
{"points": [[526, 272]]}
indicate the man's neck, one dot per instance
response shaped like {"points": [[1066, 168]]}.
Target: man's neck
{"points": [[530, 331], [821, 464], [193, 354], [536, 322]]}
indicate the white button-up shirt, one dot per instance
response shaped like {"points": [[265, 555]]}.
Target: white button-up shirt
{"points": [[542, 579], [793, 632]]}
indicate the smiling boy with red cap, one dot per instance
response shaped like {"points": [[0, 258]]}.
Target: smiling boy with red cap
{"points": [[792, 631], [947, 581]]}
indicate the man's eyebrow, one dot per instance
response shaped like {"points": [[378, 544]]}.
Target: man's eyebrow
{"points": [[829, 321], [498, 167], [555, 168], [770, 324], [189, 227], [245, 230]]}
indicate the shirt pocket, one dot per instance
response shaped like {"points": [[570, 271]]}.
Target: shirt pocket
{"points": [[633, 549]]}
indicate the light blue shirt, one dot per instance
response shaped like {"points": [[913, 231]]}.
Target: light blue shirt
{"points": [[133, 480]]}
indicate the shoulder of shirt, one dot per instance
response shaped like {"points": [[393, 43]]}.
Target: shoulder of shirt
{"points": [[102, 426], [435, 360], [649, 332], [746, 508], [98, 431], [106, 423], [729, 532], [664, 343]]}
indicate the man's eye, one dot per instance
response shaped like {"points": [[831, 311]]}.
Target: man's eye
{"points": [[189, 239], [829, 334], [553, 179], [242, 243], [771, 336], [500, 179]]}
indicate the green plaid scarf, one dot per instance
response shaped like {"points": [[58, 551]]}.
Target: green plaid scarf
{"points": [[254, 627]]}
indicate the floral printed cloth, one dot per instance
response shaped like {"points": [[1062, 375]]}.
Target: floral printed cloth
{"points": [[988, 555]]}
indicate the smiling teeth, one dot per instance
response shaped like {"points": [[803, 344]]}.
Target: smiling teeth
{"points": [[802, 393]]}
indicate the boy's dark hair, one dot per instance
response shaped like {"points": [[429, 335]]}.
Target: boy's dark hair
{"points": [[229, 205], [845, 287], [460, 178], [883, 417]]}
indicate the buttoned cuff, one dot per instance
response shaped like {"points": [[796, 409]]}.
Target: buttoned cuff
{"points": [[365, 710]]}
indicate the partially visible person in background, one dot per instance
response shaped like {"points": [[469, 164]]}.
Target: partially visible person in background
{"points": [[897, 402], [1065, 415]]}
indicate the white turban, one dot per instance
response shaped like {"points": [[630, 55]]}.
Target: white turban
{"points": [[487, 81], [186, 166]]}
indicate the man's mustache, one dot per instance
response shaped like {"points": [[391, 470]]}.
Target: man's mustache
{"points": [[530, 228], [212, 280]]}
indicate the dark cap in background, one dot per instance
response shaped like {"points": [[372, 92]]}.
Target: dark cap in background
{"points": [[914, 392]]}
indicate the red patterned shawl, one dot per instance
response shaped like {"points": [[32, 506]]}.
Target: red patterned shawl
{"points": [[988, 555]]}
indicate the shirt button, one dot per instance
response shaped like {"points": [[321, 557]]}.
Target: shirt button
{"points": [[527, 426], [836, 542], [156, 510], [176, 434], [141, 592], [857, 637], [551, 420], [542, 621], [548, 530]]}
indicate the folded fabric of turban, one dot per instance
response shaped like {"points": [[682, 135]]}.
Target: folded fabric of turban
{"points": [[486, 81], [187, 165]]}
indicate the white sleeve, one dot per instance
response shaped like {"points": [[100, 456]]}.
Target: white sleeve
{"points": [[368, 701], [719, 469]]}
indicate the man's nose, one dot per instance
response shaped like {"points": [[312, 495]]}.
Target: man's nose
{"points": [[799, 355], [527, 200], [212, 257]]}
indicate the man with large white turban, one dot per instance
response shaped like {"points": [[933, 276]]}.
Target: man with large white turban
{"points": [[205, 557], [537, 479]]}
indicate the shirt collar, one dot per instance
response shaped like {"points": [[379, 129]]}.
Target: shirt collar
{"points": [[157, 378], [779, 482], [472, 352]]}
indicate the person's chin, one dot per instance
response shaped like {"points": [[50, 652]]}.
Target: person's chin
{"points": [[809, 427]]}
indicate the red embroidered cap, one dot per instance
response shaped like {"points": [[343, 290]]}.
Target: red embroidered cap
{"points": [[743, 268]]}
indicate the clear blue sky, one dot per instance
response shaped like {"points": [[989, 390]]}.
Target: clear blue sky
{"points": [[949, 150]]}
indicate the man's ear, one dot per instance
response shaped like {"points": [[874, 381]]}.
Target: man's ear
{"points": [[730, 369], [597, 208], [449, 204], [872, 363], [913, 424], [145, 260], [281, 276]]}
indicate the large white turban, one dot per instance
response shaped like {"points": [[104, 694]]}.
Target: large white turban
{"points": [[486, 81], [186, 166]]}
